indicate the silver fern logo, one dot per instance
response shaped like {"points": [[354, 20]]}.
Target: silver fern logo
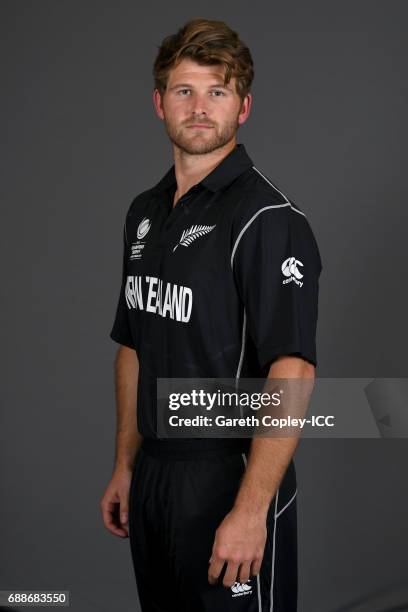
{"points": [[193, 232]]}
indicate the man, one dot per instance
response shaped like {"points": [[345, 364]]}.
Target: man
{"points": [[220, 279]]}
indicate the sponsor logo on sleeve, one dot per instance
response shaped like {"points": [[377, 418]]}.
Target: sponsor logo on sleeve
{"points": [[290, 269]]}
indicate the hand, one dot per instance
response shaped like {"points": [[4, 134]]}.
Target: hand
{"points": [[115, 502], [239, 542]]}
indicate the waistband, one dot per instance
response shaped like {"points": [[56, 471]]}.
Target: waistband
{"points": [[195, 448]]}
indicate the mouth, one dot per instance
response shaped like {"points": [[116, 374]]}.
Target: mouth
{"points": [[200, 126]]}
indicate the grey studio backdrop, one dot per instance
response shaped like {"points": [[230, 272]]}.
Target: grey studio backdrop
{"points": [[80, 140]]}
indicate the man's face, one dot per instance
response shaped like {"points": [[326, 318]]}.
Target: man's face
{"points": [[199, 113]]}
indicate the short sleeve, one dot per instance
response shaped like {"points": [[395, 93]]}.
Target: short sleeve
{"points": [[121, 331], [276, 266]]}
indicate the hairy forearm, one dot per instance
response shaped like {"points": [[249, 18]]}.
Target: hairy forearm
{"points": [[128, 439], [270, 457]]}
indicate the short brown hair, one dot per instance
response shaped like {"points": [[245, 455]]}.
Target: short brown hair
{"points": [[207, 42]]}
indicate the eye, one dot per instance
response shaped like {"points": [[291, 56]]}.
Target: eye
{"points": [[218, 91], [183, 90]]}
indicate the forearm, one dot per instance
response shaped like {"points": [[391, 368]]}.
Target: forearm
{"points": [[128, 439], [269, 457], [268, 461]]}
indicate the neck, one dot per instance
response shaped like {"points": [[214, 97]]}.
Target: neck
{"points": [[191, 169]]}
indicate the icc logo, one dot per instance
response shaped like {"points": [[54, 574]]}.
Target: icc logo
{"points": [[143, 228]]}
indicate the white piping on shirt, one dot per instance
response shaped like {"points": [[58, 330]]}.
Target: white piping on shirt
{"points": [[276, 189], [287, 203], [241, 357], [254, 217], [249, 223]]}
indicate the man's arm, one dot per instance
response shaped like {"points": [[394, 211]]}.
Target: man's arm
{"points": [[128, 439], [270, 457], [240, 538], [115, 501]]}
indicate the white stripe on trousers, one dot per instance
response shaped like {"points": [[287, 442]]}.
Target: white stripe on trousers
{"points": [[276, 514]]}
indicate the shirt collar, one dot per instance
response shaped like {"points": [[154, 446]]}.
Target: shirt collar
{"points": [[230, 167]]}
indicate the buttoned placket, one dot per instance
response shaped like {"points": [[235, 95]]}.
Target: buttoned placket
{"points": [[176, 214]]}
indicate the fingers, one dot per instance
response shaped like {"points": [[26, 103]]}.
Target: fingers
{"points": [[124, 515], [235, 571], [115, 503], [231, 574], [216, 565], [110, 511], [244, 572], [256, 567]]}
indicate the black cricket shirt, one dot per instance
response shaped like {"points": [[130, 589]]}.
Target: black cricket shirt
{"points": [[219, 285]]}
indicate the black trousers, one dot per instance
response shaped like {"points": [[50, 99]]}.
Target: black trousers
{"points": [[177, 500]]}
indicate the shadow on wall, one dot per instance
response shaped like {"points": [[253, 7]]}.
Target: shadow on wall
{"points": [[393, 598]]}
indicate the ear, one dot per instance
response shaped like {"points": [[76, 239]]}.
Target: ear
{"points": [[245, 109], [157, 102]]}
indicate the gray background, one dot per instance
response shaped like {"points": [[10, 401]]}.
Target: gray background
{"points": [[80, 139]]}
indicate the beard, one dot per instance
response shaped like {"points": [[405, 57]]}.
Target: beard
{"points": [[201, 141]]}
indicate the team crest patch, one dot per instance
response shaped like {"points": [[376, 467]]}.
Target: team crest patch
{"points": [[291, 271], [192, 233]]}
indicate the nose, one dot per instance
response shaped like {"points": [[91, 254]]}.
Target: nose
{"points": [[198, 105]]}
